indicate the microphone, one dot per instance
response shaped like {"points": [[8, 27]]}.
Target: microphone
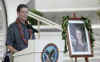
{"points": [[29, 26]]}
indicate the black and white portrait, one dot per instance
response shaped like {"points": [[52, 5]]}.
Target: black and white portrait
{"points": [[78, 38]]}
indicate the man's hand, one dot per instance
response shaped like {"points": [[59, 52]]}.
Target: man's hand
{"points": [[12, 50]]}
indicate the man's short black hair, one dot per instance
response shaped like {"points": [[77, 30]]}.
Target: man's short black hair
{"points": [[21, 6]]}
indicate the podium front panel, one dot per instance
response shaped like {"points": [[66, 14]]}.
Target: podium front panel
{"points": [[41, 51]]}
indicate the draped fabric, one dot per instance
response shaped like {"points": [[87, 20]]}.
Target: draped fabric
{"points": [[21, 32]]}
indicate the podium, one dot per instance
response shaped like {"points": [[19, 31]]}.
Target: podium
{"points": [[41, 50]]}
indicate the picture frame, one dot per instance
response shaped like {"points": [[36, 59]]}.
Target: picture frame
{"points": [[78, 39]]}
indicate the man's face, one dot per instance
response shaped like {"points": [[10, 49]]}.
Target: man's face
{"points": [[78, 35], [23, 13]]}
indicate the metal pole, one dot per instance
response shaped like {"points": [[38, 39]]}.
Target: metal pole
{"points": [[38, 29]]}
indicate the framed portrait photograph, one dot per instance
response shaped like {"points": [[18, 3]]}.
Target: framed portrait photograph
{"points": [[78, 39]]}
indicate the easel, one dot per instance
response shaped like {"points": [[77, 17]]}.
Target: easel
{"points": [[86, 58]]}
